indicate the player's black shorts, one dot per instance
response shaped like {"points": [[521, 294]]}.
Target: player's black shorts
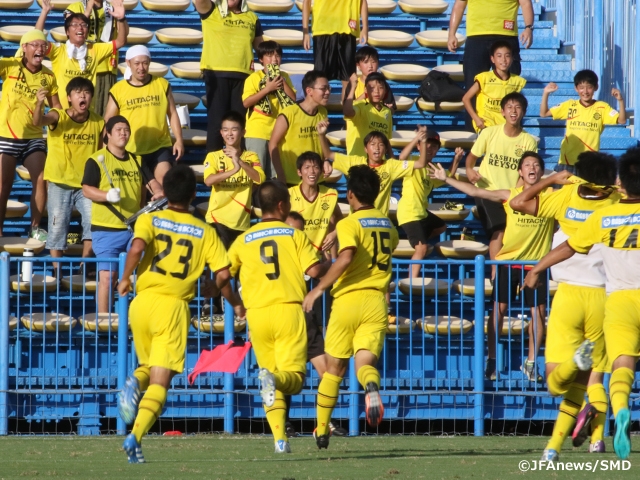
{"points": [[419, 231], [509, 286], [335, 55], [492, 216], [227, 235], [164, 154], [21, 149]]}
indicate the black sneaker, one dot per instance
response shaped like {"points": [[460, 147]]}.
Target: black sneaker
{"points": [[289, 430], [490, 369], [322, 441], [337, 430]]}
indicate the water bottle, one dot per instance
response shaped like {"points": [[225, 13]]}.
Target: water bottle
{"points": [[27, 266]]}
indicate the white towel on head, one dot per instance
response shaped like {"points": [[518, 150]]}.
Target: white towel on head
{"points": [[223, 6], [133, 52], [78, 53]]}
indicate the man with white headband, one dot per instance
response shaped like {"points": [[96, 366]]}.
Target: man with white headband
{"points": [[145, 101], [20, 139], [77, 58]]}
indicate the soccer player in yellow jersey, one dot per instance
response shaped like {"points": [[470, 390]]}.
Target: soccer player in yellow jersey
{"points": [[376, 146], [231, 173], [367, 115], [414, 218], [295, 130], [272, 259], [73, 136], [336, 30], [176, 247], [616, 228], [526, 239], [502, 147], [147, 101], [318, 204], [20, 140], [360, 278], [586, 117], [266, 93], [577, 311], [77, 58], [491, 87]]}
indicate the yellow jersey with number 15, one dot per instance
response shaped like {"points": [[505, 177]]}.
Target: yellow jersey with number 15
{"points": [[373, 237], [178, 248], [316, 213], [272, 258]]}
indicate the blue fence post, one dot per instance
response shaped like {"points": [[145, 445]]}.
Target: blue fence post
{"points": [[4, 343], [636, 67], [354, 390], [123, 340], [228, 377], [579, 27], [478, 346], [599, 44]]}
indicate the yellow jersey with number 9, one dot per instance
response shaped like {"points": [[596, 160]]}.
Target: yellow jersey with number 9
{"points": [[272, 258], [178, 248], [373, 237]]}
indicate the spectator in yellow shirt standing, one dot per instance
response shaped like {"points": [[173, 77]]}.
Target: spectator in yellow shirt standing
{"points": [[586, 117]]}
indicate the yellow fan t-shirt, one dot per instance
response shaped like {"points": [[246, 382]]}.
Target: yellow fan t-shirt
{"points": [[272, 258], [19, 88], [178, 248], [492, 90], [330, 16], [145, 107], [499, 167], [492, 17], [373, 237], [259, 124], [415, 196], [316, 213], [230, 201], [366, 120], [584, 126], [69, 145]]}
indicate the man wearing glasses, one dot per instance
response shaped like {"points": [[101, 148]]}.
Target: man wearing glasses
{"points": [[295, 130], [77, 58], [20, 139]]}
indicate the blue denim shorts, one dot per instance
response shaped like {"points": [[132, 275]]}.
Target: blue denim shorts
{"points": [[110, 244], [60, 203]]}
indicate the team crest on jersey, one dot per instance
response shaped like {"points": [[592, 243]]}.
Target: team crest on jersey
{"points": [[384, 176], [325, 206], [44, 82], [597, 116], [519, 152], [89, 60]]}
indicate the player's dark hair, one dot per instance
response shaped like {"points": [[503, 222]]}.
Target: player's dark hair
{"points": [[310, 78], [377, 135], [268, 47], [309, 157], [72, 17], [586, 76], [179, 184], [528, 154], [596, 167], [79, 83], [233, 116], [367, 52], [270, 194], [112, 122], [500, 44], [364, 183], [296, 217], [629, 171], [376, 77], [516, 96]]}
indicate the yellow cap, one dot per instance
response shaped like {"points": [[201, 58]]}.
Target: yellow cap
{"points": [[32, 35]]}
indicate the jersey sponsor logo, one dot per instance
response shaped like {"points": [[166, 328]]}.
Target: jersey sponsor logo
{"points": [[122, 173], [504, 161], [577, 215], [373, 125], [613, 113], [148, 99], [181, 228], [621, 220], [316, 221], [271, 232], [508, 24], [79, 136], [375, 223], [352, 24]]}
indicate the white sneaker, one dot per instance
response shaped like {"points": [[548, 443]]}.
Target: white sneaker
{"points": [[282, 447], [267, 387], [582, 356], [550, 455]]}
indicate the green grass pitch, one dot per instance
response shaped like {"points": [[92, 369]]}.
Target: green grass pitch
{"points": [[252, 457]]}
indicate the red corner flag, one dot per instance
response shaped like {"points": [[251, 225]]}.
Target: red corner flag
{"points": [[224, 358]]}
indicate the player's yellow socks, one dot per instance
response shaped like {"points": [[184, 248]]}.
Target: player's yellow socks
{"points": [[149, 410], [620, 388], [288, 383], [328, 391], [142, 373], [567, 414], [367, 374], [277, 417], [598, 398], [561, 378]]}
